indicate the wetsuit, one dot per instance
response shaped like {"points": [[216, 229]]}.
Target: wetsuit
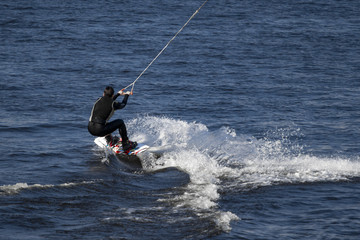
{"points": [[101, 112]]}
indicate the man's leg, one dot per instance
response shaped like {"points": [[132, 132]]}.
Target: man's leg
{"points": [[117, 124]]}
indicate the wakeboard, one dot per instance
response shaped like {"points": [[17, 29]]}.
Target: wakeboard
{"points": [[130, 158]]}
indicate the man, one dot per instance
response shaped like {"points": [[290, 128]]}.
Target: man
{"points": [[102, 111]]}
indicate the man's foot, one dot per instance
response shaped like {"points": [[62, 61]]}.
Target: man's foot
{"points": [[115, 140], [112, 140], [128, 145]]}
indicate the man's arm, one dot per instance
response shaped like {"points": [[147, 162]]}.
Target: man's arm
{"points": [[116, 96], [121, 105]]}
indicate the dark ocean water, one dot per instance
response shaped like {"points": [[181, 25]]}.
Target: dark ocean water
{"points": [[258, 99]]}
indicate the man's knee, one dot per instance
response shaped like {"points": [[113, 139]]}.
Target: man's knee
{"points": [[119, 122]]}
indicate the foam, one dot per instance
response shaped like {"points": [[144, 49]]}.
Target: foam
{"points": [[189, 153], [269, 166], [224, 160]]}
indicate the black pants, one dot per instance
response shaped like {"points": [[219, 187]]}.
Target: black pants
{"points": [[101, 130]]}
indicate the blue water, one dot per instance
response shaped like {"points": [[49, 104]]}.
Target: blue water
{"points": [[259, 101]]}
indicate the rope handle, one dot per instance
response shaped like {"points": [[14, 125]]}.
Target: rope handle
{"points": [[121, 92]]}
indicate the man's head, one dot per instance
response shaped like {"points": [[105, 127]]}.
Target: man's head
{"points": [[109, 91]]}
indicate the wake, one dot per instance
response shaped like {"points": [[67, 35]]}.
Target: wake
{"points": [[222, 160]]}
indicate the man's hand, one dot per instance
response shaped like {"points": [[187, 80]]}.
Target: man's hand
{"points": [[121, 92]]}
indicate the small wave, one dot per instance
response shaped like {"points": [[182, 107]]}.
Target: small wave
{"points": [[16, 188]]}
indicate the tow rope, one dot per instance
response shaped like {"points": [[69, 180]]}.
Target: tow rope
{"points": [[162, 50]]}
